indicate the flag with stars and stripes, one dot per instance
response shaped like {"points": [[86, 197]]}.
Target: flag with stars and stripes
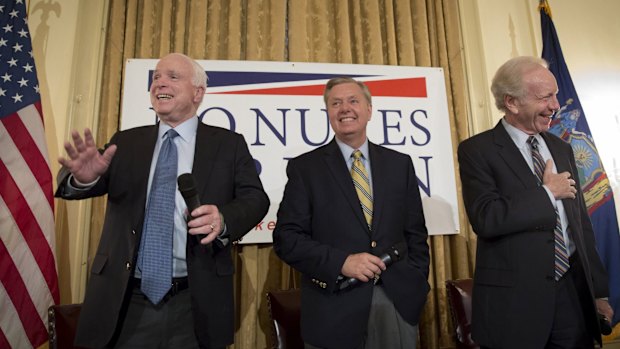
{"points": [[28, 278]]}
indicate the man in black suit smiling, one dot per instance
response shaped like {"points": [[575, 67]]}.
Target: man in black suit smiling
{"points": [[345, 204], [537, 270], [161, 279]]}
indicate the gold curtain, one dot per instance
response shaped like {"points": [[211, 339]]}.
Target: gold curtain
{"points": [[390, 32]]}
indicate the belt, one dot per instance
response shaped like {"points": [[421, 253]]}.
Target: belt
{"points": [[177, 285]]}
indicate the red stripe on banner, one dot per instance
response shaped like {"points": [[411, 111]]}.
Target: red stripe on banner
{"points": [[31, 153], [16, 289], [410, 87], [31, 231], [309, 90]]}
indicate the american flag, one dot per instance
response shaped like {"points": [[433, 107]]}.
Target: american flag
{"points": [[28, 279]]}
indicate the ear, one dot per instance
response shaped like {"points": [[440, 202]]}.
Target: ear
{"points": [[199, 94], [369, 111], [512, 104]]}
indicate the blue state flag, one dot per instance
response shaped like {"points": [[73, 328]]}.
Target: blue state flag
{"points": [[570, 124]]}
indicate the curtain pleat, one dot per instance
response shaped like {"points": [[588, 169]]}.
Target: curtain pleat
{"points": [[390, 32]]}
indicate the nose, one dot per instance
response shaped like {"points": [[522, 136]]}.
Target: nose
{"points": [[555, 104], [344, 107], [159, 82]]}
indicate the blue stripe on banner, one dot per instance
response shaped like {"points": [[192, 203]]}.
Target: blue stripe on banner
{"points": [[237, 78]]}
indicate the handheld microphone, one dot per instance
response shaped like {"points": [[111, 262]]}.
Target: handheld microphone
{"points": [[187, 187], [604, 324], [393, 254]]}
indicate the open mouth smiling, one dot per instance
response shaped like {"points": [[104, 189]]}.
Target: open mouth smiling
{"points": [[347, 119]]}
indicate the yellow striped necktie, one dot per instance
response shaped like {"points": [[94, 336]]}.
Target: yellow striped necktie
{"points": [[362, 186]]}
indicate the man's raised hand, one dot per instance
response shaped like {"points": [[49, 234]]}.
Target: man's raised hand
{"points": [[84, 160]]}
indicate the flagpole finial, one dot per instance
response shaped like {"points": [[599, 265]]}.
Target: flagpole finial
{"points": [[544, 5]]}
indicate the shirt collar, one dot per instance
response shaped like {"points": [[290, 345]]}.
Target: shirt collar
{"points": [[186, 129], [519, 137], [346, 150]]}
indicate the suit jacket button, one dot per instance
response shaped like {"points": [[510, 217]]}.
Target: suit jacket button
{"points": [[373, 244], [133, 232], [127, 265]]}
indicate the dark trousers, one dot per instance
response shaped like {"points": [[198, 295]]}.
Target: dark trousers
{"points": [[166, 325], [569, 329]]}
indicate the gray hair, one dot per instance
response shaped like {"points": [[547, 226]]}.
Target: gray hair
{"points": [[345, 80], [508, 80], [200, 76]]}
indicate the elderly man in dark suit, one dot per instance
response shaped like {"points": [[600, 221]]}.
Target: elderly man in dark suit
{"points": [[538, 281], [162, 276], [345, 204]]}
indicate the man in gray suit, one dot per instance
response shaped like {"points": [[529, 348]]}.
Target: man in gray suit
{"points": [[196, 309], [537, 271]]}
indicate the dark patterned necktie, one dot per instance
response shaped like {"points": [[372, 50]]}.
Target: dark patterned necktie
{"points": [[155, 256], [362, 185], [561, 253]]}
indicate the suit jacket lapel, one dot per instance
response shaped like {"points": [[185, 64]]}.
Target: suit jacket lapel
{"points": [[508, 151], [144, 145], [207, 145], [338, 169], [378, 173]]}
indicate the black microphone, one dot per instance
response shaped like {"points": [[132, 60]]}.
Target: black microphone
{"points": [[187, 187], [393, 254], [604, 324]]}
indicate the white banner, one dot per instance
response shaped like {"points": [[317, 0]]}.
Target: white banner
{"points": [[279, 108]]}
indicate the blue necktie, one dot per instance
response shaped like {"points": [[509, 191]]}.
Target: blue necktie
{"points": [[155, 257], [561, 253]]}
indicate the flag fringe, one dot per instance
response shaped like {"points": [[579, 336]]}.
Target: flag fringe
{"points": [[544, 5]]}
